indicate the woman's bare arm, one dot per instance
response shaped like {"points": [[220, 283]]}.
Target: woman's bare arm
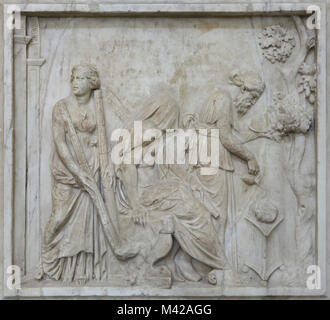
{"points": [[62, 149]]}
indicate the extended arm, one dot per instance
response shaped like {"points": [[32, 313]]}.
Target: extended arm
{"points": [[229, 141]]}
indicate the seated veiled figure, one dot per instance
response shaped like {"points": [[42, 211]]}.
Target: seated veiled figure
{"points": [[166, 191]]}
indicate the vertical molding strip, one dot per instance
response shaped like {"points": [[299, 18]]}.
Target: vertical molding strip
{"points": [[321, 150], [8, 147], [33, 236], [20, 103]]}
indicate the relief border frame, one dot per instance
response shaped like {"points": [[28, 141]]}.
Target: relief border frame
{"points": [[161, 10]]}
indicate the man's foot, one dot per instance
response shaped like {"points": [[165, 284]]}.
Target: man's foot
{"points": [[212, 277]]}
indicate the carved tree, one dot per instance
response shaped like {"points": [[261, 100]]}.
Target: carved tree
{"points": [[289, 120]]}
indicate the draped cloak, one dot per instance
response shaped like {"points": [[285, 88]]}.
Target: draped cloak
{"points": [[74, 244], [193, 228], [219, 186]]}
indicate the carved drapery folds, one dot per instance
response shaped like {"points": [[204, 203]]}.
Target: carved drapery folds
{"points": [[167, 224]]}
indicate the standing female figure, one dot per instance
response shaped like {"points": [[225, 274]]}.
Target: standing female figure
{"points": [[77, 240]]}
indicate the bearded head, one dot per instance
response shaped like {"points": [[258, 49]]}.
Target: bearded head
{"points": [[251, 88]]}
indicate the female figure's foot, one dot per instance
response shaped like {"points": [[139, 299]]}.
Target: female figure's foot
{"points": [[81, 281]]}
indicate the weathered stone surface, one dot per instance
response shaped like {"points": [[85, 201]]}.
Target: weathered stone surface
{"points": [[250, 87]]}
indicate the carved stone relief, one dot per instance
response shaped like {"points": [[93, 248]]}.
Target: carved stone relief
{"points": [[247, 222]]}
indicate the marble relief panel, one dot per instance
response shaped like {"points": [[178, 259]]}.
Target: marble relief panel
{"points": [[99, 200]]}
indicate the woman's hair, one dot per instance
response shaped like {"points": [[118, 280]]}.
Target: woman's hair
{"points": [[90, 73]]}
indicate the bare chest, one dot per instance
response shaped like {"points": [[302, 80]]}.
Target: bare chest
{"points": [[83, 119]]}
